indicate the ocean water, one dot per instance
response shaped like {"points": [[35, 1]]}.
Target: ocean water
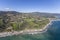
{"points": [[53, 33]]}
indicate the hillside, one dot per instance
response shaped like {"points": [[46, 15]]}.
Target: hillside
{"points": [[16, 21]]}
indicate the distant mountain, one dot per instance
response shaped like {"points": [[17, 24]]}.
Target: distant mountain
{"points": [[46, 14], [41, 14]]}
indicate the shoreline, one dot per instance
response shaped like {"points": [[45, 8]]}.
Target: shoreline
{"points": [[35, 31]]}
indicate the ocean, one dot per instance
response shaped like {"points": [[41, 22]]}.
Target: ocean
{"points": [[52, 33]]}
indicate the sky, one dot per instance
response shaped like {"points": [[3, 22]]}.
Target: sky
{"points": [[51, 6]]}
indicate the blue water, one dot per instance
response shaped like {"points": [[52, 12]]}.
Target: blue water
{"points": [[53, 33]]}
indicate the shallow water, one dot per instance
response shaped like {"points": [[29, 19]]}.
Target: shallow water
{"points": [[53, 33]]}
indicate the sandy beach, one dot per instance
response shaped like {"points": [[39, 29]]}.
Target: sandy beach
{"points": [[35, 31]]}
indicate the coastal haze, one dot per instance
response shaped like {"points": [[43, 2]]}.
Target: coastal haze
{"points": [[29, 19]]}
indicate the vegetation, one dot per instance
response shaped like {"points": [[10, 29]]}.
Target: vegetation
{"points": [[19, 21]]}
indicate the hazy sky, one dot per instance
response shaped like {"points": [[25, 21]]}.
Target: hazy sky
{"points": [[31, 5]]}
